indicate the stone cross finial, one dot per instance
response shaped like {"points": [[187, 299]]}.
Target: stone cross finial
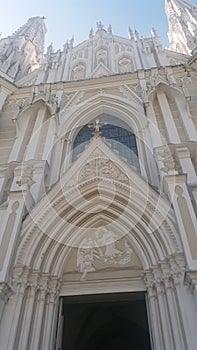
{"points": [[96, 125]]}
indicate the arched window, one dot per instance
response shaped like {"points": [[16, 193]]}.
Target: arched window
{"points": [[120, 138]]}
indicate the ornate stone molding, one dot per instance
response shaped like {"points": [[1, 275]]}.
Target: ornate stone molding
{"points": [[169, 274], [37, 282], [102, 168], [130, 94]]}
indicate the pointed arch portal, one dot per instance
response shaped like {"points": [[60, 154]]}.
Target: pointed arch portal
{"points": [[101, 230]]}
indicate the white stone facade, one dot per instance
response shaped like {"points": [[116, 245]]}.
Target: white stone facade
{"points": [[97, 224]]}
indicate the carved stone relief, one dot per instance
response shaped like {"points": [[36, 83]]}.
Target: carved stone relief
{"points": [[101, 167], [101, 57], [125, 65], [104, 249], [164, 157], [78, 72], [26, 176]]}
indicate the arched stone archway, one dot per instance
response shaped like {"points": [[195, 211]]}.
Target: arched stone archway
{"points": [[101, 229]]}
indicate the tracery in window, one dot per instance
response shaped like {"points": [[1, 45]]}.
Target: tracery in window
{"points": [[121, 140]]}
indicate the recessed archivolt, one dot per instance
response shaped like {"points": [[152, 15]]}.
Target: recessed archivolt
{"points": [[45, 246], [118, 107]]}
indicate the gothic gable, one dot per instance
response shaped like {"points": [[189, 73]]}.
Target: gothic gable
{"points": [[100, 71], [94, 216]]}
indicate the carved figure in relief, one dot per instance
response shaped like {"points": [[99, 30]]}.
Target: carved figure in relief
{"points": [[128, 254], [102, 250], [85, 256], [107, 239]]}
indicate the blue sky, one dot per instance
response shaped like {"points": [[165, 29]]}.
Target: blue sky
{"points": [[65, 18]]}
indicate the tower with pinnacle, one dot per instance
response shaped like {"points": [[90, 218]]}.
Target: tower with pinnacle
{"points": [[182, 19], [22, 52]]}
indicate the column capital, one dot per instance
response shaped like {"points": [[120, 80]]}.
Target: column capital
{"points": [[5, 291], [191, 279]]}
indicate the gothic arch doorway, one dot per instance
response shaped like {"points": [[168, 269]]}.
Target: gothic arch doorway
{"points": [[105, 322]]}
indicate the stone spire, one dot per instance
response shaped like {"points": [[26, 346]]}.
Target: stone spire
{"points": [[182, 19], [22, 52]]}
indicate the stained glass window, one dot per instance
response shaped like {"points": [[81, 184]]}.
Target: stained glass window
{"points": [[121, 140]]}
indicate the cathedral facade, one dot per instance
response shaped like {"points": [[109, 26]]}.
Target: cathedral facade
{"points": [[98, 189]]}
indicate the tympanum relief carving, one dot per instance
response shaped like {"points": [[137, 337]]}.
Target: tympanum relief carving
{"points": [[103, 249]]}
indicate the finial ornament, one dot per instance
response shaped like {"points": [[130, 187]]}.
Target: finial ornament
{"points": [[131, 35], [96, 125], [154, 32], [99, 25], [110, 29], [91, 33]]}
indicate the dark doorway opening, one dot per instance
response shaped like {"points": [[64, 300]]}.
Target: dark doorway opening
{"points": [[105, 322]]}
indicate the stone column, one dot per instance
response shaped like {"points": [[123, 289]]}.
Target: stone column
{"points": [[156, 137], [112, 55], [48, 324], [164, 318], [20, 198], [183, 315], [10, 321], [66, 73], [38, 319], [10, 228], [89, 67], [155, 321], [176, 188], [168, 118], [174, 316], [27, 319], [60, 322], [134, 45]]}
